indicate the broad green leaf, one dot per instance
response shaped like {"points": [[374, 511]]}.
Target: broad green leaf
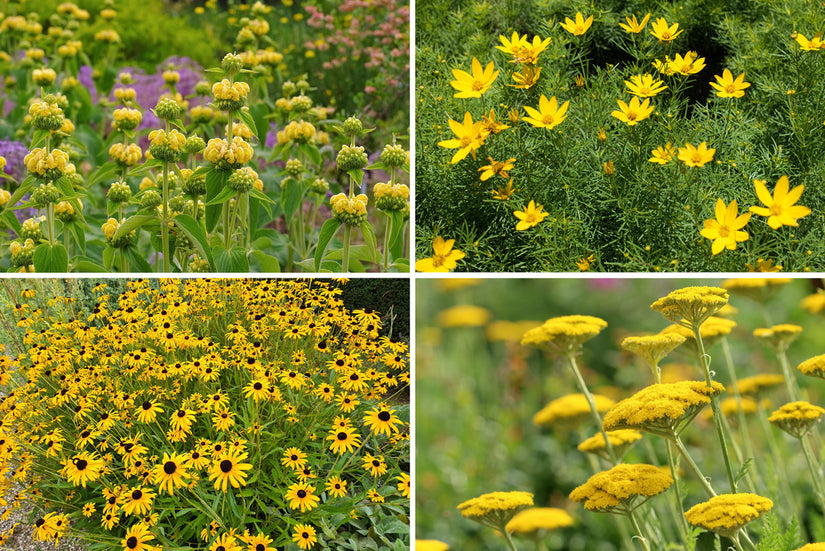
{"points": [[327, 231], [357, 175], [11, 221], [136, 260], [24, 188], [194, 231], [215, 183], [292, 194], [312, 152], [87, 266], [247, 119], [268, 264], [398, 234], [133, 223], [369, 239], [225, 195], [50, 258]]}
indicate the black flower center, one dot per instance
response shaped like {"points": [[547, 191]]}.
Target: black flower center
{"points": [[132, 542], [384, 416], [260, 547], [81, 464], [226, 465], [305, 535], [169, 467], [257, 386], [342, 436], [137, 494], [147, 405], [301, 493], [181, 413]]}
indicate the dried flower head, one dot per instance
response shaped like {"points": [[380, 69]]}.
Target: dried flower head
{"points": [[620, 486], [539, 518], [725, 514], [691, 305], [662, 409], [797, 418], [496, 509], [569, 411], [564, 334]]}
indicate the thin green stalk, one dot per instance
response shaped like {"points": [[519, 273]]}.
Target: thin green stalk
{"points": [[386, 255], [164, 219], [693, 466], [571, 359], [345, 252], [717, 413], [508, 539], [632, 516], [674, 472], [816, 473], [790, 381], [743, 428]]}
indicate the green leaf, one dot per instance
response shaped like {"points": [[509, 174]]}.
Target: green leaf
{"points": [[312, 152], [87, 266], [194, 231], [247, 119], [50, 258], [137, 261], [357, 175], [261, 196], [292, 193], [397, 234], [327, 231], [268, 264], [79, 234], [133, 223], [24, 188], [376, 166], [109, 257], [11, 221], [369, 239], [225, 195], [215, 183], [230, 261]]}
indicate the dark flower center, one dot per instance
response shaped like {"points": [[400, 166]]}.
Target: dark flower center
{"points": [[137, 494], [169, 467], [112, 500], [342, 436], [132, 542], [293, 457], [226, 465], [181, 413], [305, 535], [384, 416], [301, 493], [257, 386], [260, 547], [195, 455], [81, 464], [147, 405]]}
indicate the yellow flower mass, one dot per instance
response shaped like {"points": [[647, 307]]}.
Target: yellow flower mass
{"points": [[633, 26], [496, 508], [620, 486], [696, 156], [780, 208], [644, 86], [569, 411], [539, 518], [725, 514], [664, 32]]}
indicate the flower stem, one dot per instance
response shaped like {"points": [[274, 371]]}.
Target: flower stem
{"points": [[571, 358], [632, 516], [387, 232], [816, 474], [164, 219], [674, 472], [345, 252], [790, 382], [693, 466], [508, 539]]}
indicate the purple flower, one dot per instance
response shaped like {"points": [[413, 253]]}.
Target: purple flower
{"points": [[14, 153]]}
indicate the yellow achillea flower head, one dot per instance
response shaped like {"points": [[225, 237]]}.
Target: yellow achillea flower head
{"points": [[620, 486], [814, 303], [797, 418], [662, 408], [430, 545], [564, 334], [644, 86], [728, 87], [531, 216], [664, 32], [496, 509], [812, 45], [577, 27], [634, 112], [694, 305], [697, 156], [690, 64], [475, 84], [726, 229], [725, 514], [469, 137], [444, 257], [549, 114], [730, 407], [812, 547], [815, 367], [509, 331], [757, 384], [538, 518], [663, 154], [781, 208], [760, 289], [652, 348], [463, 315], [711, 331], [569, 411], [620, 440], [496, 167], [633, 26], [779, 337]]}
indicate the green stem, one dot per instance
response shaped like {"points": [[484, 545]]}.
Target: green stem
{"points": [[717, 413], [816, 474], [790, 381], [50, 219], [164, 220], [386, 255], [674, 472], [693, 466], [345, 252], [508, 539], [632, 516], [571, 358], [743, 428]]}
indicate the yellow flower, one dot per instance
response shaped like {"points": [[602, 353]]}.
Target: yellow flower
{"points": [[620, 441], [549, 114], [778, 336], [726, 230], [584, 263], [688, 65], [430, 545], [814, 303], [634, 112], [815, 43], [663, 154], [763, 265], [652, 348], [514, 45], [644, 86], [664, 408], [797, 418], [531, 216], [696, 156], [663, 32], [529, 52], [620, 486], [496, 167], [501, 193], [633, 26], [463, 315], [496, 509], [537, 518], [110, 227], [490, 125], [812, 547], [469, 137], [781, 208], [570, 410], [473, 85], [527, 78], [757, 384], [728, 87], [444, 257], [814, 367], [564, 334], [725, 514], [578, 27]]}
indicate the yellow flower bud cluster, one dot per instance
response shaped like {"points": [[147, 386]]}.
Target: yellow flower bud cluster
{"points": [[2, 162], [65, 212], [171, 77], [126, 118], [125, 154], [4, 195], [125, 95], [229, 96], [70, 48], [30, 229], [391, 196], [107, 35], [166, 147], [201, 114], [46, 115], [49, 166], [242, 130], [22, 255], [244, 179], [298, 132], [44, 77], [219, 153], [259, 27], [110, 227], [349, 210]]}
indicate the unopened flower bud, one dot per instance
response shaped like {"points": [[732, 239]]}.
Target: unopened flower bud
{"points": [[351, 158]]}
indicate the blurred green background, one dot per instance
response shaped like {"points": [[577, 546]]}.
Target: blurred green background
{"points": [[475, 399]]}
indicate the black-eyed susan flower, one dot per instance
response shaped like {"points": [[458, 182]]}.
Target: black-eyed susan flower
{"points": [[258, 542], [171, 473], [531, 216], [226, 542], [223, 420], [293, 458], [726, 514], [549, 114], [382, 420], [182, 419], [138, 501], [634, 112], [444, 257], [229, 468], [780, 208], [403, 485], [148, 411], [137, 538], [375, 465], [336, 487], [726, 229], [83, 468], [305, 536], [375, 496], [474, 85], [343, 440], [301, 496]]}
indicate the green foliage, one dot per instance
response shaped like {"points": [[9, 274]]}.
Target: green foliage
{"points": [[389, 297], [645, 216]]}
